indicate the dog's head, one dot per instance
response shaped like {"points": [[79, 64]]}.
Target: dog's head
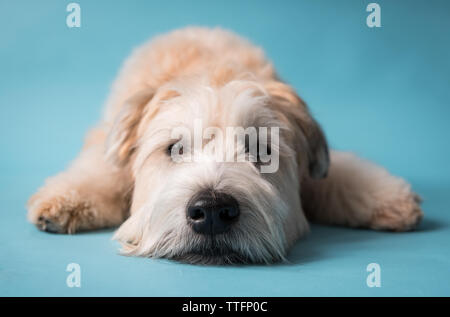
{"points": [[216, 170]]}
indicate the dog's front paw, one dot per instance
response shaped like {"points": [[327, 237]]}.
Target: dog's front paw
{"points": [[59, 213], [400, 215]]}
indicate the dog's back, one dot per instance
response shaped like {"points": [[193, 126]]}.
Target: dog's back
{"points": [[215, 55]]}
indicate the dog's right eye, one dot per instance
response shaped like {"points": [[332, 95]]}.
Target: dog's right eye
{"points": [[177, 147], [258, 149]]}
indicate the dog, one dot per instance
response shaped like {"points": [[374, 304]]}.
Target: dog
{"points": [[204, 210]]}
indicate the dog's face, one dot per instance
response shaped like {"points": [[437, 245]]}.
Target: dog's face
{"points": [[203, 191]]}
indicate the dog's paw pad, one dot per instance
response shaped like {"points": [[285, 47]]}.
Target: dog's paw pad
{"points": [[400, 215], [48, 225]]}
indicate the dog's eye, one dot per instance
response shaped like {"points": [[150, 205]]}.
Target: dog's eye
{"points": [[258, 149], [267, 151], [176, 147]]}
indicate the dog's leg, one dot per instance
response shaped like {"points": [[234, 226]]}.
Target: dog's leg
{"points": [[91, 194], [358, 193]]}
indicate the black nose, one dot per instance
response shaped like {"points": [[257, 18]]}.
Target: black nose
{"points": [[212, 212]]}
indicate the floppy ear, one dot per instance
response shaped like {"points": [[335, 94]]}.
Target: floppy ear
{"points": [[296, 113], [123, 136]]}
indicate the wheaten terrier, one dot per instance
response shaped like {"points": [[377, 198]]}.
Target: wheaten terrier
{"points": [[137, 169]]}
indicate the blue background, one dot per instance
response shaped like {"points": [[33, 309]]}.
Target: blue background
{"points": [[383, 93]]}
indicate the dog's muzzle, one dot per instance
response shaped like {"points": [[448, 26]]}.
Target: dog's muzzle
{"points": [[211, 213]]}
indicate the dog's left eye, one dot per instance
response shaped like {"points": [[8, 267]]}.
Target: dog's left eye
{"points": [[177, 147], [259, 152]]}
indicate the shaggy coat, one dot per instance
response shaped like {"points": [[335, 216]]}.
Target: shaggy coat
{"points": [[124, 177]]}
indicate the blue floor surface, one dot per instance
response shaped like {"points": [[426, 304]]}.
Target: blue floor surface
{"points": [[383, 93]]}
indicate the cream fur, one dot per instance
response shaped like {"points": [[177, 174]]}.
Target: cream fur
{"points": [[124, 177]]}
